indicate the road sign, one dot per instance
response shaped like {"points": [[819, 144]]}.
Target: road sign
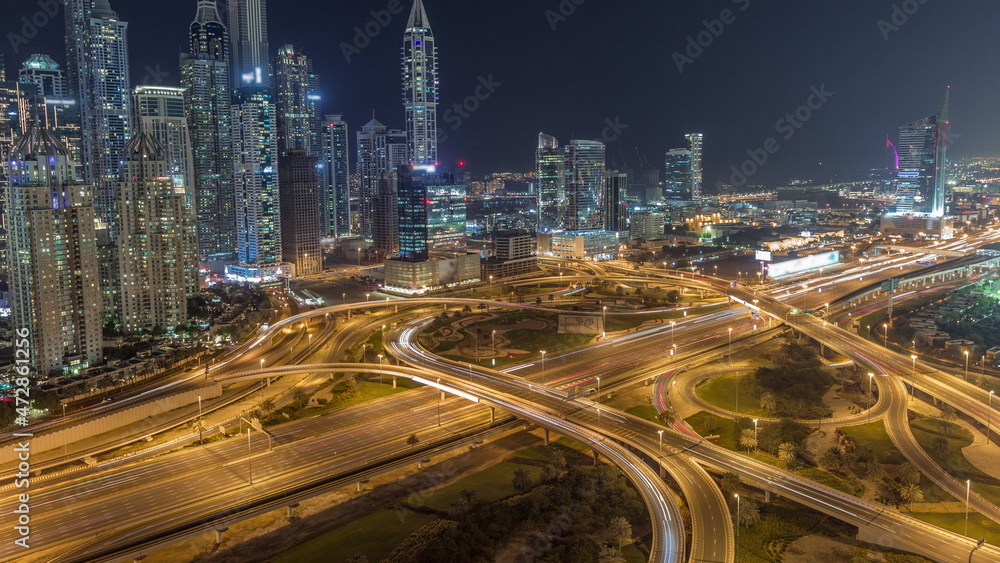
{"points": [[890, 285], [981, 542]]}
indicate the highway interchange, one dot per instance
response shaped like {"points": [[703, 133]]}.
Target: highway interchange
{"points": [[204, 480]]}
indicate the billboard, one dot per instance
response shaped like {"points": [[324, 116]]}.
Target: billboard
{"points": [[822, 260], [764, 256]]}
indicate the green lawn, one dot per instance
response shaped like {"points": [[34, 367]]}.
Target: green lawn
{"points": [[544, 453], [633, 554], [375, 535], [367, 391], [777, 523], [979, 525], [490, 484], [647, 412], [875, 437], [720, 390], [955, 463]]}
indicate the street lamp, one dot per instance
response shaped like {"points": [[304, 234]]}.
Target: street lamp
{"points": [[604, 317], [491, 283], [968, 488], [885, 337], [262, 363], [661, 440], [737, 522], [440, 392], [249, 458], [200, 430], [871, 376], [598, 390], [913, 375], [380, 374], [755, 432], [543, 363], [966, 352], [730, 352], [989, 418], [494, 347], [344, 296], [672, 325], [368, 297]]}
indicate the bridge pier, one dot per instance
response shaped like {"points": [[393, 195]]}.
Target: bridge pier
{"points": [[290, 510], [493, 418], [394, 382], [138, 558], [218, 534], [547, 440], [767, 495], [663, 470], [597, 457]]}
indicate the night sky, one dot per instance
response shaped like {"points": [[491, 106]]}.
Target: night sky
{"points": [[613, 60]]}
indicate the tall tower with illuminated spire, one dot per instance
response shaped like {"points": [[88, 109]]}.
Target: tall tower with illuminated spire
{"points": [[942, 138], [420, 87]]}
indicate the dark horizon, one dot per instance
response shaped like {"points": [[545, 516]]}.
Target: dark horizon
{"points": [[604, 64]]}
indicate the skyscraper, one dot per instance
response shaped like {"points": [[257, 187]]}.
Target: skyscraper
{"points": [[160, 113], [385, 207], [53, 255], [297, 90], [380, 150], [255, 150], [155, 243], [97, 51], [420, 87], [916, 174], [250, 53], [300, 225], [679, 180], [205, 75], [585, 164], [550, 165], [615, 204], [335, 173], [695, 141], [44, 72]]}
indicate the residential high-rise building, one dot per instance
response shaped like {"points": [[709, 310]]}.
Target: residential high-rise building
{"points": [[256, 169], [160, 113], [385, 208], [615, 204], [647, 226], [97, 49], [156, 247], [205, 76], [585, 164], [420, 87], [550, 165], [695, 142], [250, 53], [678, 178], [44, 72], [54, 285], [300, 225], [298, 99], [380, 150], [335, 173]]}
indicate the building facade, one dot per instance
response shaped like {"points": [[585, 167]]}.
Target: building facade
{"points": [[156, 246], [678, 178], [300, 216], [250, 55], [335, 174], [585, 165], [380, 150], [298, 99], [615, 201], [160, 112], [54, 277], [695, 145], [420, 88], [550, 167], [256, 173], [205, 76]]}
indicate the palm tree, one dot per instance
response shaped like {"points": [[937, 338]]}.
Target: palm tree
{"points": [[267, 405], [467, 309], [549, 473], [558, 458], [711, 425], [609, 554], [522, 481], [469, 496], [908, 474], [748, 439], [911, 494], [768, 401], [412, 440], [941, 446], [621, 529], [730, 483], [749, 513], [668, 417], [948, 415], [833, 459], [787, 452]]}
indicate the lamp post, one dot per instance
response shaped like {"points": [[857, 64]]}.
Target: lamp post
{"points": [[885, 337], [543, 363], [343, 296], [604, 317], [968, 488], [913, 374], [494, 347], [440, 392], [989, 418], [368, 297], [661, 440], [262, 363], [380, 374], [672, 325], [491, 284], [598, 390], [730, 351], [249, 458], [737, 522], [200, 438], [966, 352], [871, 376], [755, 432]]}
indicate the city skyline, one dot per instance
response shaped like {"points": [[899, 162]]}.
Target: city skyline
{"points": [[874, 76]]}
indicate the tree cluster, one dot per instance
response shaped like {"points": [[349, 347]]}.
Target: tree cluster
{"points": [[797, 381]]}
